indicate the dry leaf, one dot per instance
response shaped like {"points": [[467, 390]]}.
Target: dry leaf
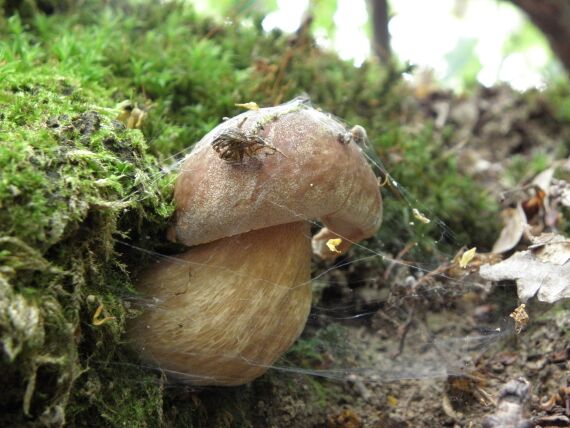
{"points": [[551, 248], [467, 257], [533, 205], [560, 192], [392, 401], [418, 215], [511, 404], [131, 115], [543, 179], [333, 244], [346, 419], [514, 221], [521, 318], [249, 106], [550, 282], [97, 314]]}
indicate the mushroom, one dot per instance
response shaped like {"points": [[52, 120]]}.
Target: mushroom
{"points": [[226, 310]]}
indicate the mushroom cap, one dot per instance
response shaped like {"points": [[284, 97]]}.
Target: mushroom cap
{"points": [[314, 174]]}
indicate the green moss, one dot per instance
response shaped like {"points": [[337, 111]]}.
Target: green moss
{"points": [[460, 212], [521, 169], [317, 349], [72, 181]]}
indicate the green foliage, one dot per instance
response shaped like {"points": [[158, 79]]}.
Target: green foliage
{"points": [[463, 64], [326, 348], [460, 212], [323, 12], [520, 169], [72, 179], [559, 96], [526, 37], [239, 9], [317, 350]]}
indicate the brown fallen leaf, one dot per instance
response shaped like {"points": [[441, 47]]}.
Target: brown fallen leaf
{"points": [[346, 419], [551, 192], [521, 318], [534, 204], [514, 221]]}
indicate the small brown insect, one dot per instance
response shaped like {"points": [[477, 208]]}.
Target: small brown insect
{"points": [[344, 137], [356, 134], [233, 145]]}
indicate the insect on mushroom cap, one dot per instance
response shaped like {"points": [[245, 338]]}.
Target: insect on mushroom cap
{"points": [[299, 171]]}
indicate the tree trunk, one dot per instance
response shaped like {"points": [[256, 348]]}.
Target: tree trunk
{"points": [[381, 40], [552, 17]]}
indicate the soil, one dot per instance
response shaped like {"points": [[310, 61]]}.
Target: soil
{"points": [[438, 350], [450, 371]]}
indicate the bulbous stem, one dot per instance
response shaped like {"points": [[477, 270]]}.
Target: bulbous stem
{"points": [[223, 312]]}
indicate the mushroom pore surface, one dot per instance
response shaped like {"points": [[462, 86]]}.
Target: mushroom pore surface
{"points": [[225, 311]]}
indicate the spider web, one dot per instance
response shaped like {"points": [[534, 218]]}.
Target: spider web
{"points": [[378, 317]]}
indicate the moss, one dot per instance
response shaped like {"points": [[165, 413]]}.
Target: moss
{"points": [[319, 348], [73, 181], [521, 169]]}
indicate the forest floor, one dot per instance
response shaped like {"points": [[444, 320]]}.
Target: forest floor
{"points": [[438, 348], [438, 383]]}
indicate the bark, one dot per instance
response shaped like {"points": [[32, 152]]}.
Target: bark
{"points": [[381, 40], [552, 17]]}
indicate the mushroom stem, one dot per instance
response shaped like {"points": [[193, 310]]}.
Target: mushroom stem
{"points": [[223, 312]]}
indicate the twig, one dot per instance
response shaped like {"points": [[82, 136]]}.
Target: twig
{"points": [[395, 261], [403, 332], [441, 269]]}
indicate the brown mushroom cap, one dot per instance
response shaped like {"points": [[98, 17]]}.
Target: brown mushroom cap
{"points": [[312, 175]]}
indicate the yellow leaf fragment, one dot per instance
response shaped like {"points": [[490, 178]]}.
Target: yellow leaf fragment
{"points": [[392, 401], [467, 257], [96, 316], [383, 182], [333, 244], [419, 216], [521, 318], [249, 106], [131, 115]]}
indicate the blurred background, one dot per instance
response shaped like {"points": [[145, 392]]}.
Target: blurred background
{"points": [[459, 43]]}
